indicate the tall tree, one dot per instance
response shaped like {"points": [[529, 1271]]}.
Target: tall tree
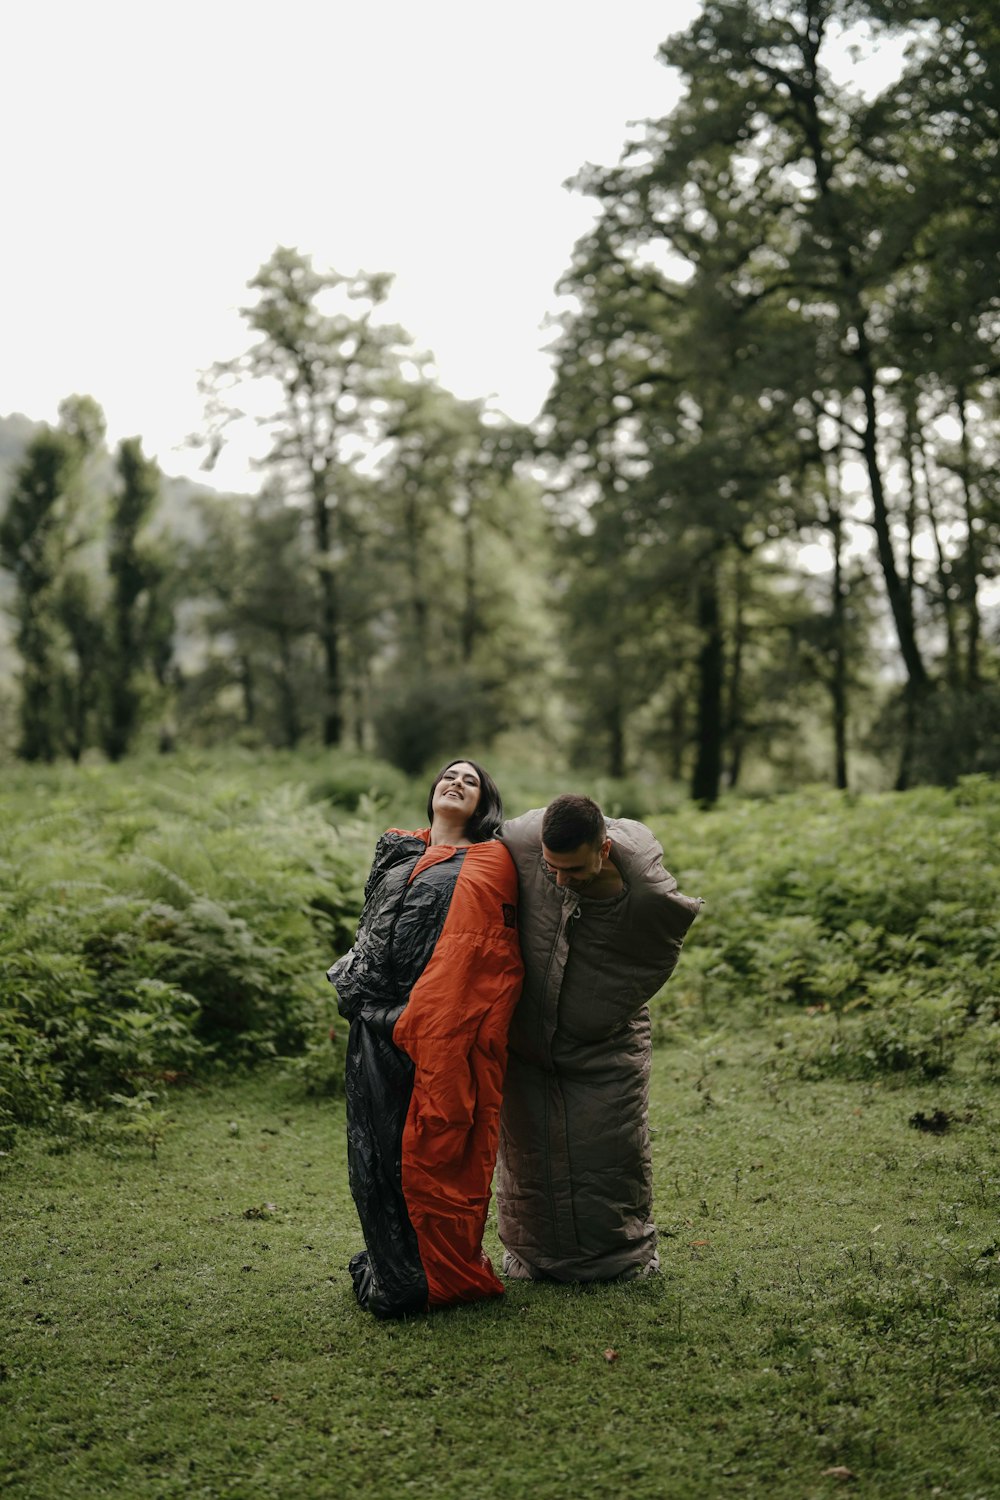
{"points": [[134, 574], [463, 556], [666, 405], [250, 571], [79, 676], [842, 224], [321, 343], [40, 532], [741, 287]]}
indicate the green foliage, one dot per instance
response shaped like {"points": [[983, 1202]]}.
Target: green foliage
{"points": [[957, 734], [93, 622], [390, 587], [320, 1066], [253, 576], [876, 916], [781, 329], [626, 797], [159, 919], [916, 1036], [418, 720], [318, 339], [38, 534], [350, 784], [140, 627]]}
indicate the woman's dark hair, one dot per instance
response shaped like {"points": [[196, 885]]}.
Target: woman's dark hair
{"points": [[488, 816]]}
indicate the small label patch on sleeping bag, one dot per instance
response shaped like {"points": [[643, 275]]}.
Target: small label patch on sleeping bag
{"points": [[509, 915]]}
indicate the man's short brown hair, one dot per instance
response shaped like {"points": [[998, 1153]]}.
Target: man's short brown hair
{"points": [[571, 820]]}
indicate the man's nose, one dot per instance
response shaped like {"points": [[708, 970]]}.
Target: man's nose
{"points": [[562, 878]]}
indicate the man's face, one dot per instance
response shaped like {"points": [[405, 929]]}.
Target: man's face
{"points": [[576, 868]]}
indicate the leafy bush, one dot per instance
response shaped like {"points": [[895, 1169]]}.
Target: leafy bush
{"points": [[154, 922], [878, 913], [320, 1066], [358, 785], [623, 798], [421, 720], [920, 1038], [159, 917], [957, 734]]}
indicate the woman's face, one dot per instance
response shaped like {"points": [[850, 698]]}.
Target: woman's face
{"points": [[457, 791]]}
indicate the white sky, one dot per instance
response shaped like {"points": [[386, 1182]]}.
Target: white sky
{"points": [[154, 156]]}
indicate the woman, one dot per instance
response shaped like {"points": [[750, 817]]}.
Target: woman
{"points": [[429, 988]]}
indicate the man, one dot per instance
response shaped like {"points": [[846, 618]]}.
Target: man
{"points": [[602, 923]]}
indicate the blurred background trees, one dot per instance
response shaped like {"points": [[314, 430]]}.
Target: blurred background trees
{"points": [[752, 539], [783, 337]]}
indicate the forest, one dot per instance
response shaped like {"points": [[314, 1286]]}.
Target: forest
{"points": [[750, 542], [740, 578]]}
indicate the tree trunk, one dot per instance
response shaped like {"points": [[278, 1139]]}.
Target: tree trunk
{"points": [[122, 700], [850, 290], [358, 697], [247, 689], [910, 428], [734, 704], [37, 714], [419, 604], [900, 603], [838, 595], [708, 762], [944, 576], [912, 697], [970, 568], [333, 722], [616, 737], [470, 607], [291, 724], [838, 683]]}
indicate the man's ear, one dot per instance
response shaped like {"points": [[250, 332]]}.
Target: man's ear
{"points": [[606, 848]]}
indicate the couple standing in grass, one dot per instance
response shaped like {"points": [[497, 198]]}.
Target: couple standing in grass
{"points": [[497, 992]]}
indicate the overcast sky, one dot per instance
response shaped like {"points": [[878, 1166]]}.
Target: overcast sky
{"points": [[155, 155]]}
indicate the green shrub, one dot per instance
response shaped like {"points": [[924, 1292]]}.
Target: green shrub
{"points": [[918, 1038], [361, 784], [158, 916], [421, 719], [320, 1066], [811, 900], [877, 915], [986, 1041], [157, 919]]}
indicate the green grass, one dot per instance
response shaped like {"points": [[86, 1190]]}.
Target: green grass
{"points": [[181, 1324]]}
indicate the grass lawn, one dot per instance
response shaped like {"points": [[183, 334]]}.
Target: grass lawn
{"points": [[826, 1323]]}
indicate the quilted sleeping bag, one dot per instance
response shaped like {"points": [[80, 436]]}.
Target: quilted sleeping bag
{"points": [[429, 988]]}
